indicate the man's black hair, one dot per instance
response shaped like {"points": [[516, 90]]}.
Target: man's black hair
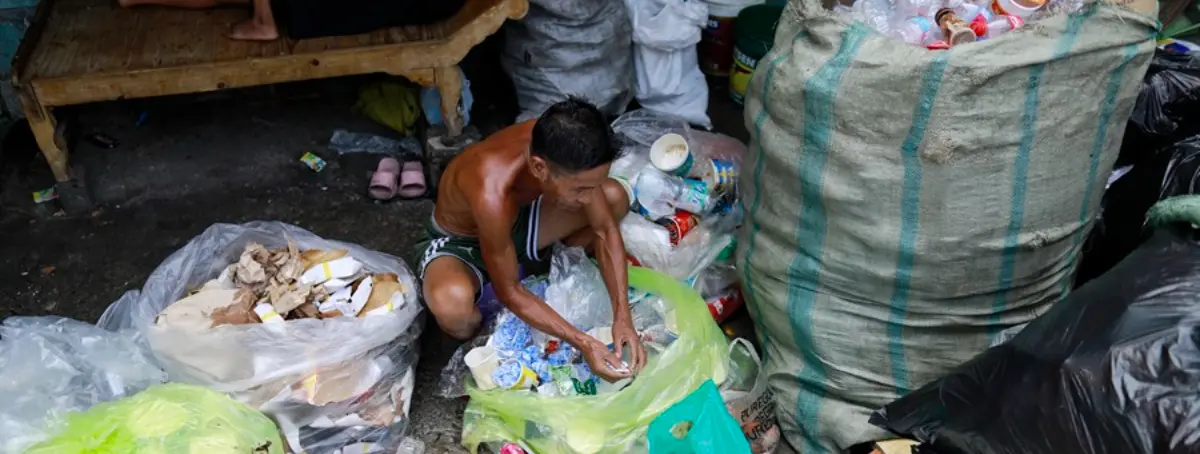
{"points": [[574, 136]]}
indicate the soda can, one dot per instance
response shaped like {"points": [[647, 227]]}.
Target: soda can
{"points": [[679, 225]]}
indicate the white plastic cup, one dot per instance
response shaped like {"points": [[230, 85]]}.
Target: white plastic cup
{"points": [[482, 361], [671, 155]]}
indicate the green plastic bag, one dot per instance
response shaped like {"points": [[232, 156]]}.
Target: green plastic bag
{"points": [[391, 104], [166, 419], [698, 424], [617, 422]]}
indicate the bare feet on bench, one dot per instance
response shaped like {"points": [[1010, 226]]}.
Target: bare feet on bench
{"points": [[253, 30]]}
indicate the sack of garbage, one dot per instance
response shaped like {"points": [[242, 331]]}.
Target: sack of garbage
{"points": [[51, 366], [749, 399], [570, 48], [665, 33], [318, 334], [594, 421], [1112, 369], [698, 424], [905, 205], [169, 418]]}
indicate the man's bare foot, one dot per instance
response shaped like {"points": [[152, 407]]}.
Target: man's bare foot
{"points": [[252, 30]]}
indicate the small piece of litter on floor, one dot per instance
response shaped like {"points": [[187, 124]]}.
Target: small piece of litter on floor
{"points": [[48, 269], [313, 161], [45, 195], [60, 214], [103, 140]]}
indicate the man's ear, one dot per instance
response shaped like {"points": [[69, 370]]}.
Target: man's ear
{"points": [[539, 168]]}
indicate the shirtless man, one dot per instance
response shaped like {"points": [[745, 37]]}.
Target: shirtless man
{"points": [[505, 201]]}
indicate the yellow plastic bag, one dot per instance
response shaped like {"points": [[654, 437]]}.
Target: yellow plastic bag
{"points": [[392, 104], [167, 419], [612, 423]]}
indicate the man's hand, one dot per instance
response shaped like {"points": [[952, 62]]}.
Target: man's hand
{"points": [[604, 363], [624, 336]]}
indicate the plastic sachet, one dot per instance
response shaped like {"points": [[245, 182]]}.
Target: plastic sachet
{"points": [[52, 366]]}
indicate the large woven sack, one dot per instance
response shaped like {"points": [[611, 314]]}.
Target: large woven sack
{"points": [[905, 205]]}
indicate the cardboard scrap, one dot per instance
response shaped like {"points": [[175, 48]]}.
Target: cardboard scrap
{"points": [[385, 285], [239, 312], [314, 256], [898, 446]]}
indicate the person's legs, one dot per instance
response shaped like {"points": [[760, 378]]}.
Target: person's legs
{"points": [[191, 4], [570, 227], [260, 27], [450, 287]]}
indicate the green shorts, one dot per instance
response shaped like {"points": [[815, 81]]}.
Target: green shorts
{"points": [[438, 243]]}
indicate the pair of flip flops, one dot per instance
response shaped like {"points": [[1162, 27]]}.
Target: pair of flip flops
{"points": [[395, 179]]}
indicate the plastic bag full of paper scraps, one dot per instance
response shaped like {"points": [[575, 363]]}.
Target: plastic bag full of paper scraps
{"points": [[51, 366], [260, 311], [169, 418]]}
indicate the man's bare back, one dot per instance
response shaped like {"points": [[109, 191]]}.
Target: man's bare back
{"points": [[507, 199]]}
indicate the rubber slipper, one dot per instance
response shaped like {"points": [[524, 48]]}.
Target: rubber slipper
{"points": [[383, 181], [412, 180]]}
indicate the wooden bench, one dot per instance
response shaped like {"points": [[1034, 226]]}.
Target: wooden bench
{"points": [[81, 51]]}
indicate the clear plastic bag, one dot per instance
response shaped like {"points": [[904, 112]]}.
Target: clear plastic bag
{"points": [[748, 398], [346, 379], [50, 366], [167, 419], [616, 422]]}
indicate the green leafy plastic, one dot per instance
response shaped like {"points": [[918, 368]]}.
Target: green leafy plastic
{"points": [[612, 423], [167, 419]]}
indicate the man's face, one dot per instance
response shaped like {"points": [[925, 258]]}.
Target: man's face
{"points": [[573, 190]]}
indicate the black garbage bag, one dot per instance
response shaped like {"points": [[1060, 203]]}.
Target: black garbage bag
{"points": [[1167, 108], [1113, 369], [1160, 144]]}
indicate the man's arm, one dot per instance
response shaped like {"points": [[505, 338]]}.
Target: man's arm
{"points": [[609, 249], [495, 216]]}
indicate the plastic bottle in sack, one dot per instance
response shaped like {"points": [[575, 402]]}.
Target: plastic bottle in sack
{"points": [[917, 30], [956, 30], [916, 8], [1003, 25], [655, 193]]}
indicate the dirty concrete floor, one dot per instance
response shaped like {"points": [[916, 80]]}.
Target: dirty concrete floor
{"points": [[197, 160]]}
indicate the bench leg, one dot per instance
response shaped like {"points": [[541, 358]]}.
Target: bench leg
{"points": [[449, 84], [49, 137]]}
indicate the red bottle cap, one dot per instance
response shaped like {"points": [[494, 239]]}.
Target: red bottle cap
{"points": [[979, 25]]}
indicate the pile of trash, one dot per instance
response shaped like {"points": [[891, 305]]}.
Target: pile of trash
{"points": [[685, 211], [271, 286], [319, 335], [682, 221], [941, 24]]}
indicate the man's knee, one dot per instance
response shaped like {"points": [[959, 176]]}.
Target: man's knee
{"points": [[452, 302], [617, 197]]}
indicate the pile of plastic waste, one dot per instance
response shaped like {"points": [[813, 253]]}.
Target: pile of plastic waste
{"points": [[941, 24], [685, 210]]}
